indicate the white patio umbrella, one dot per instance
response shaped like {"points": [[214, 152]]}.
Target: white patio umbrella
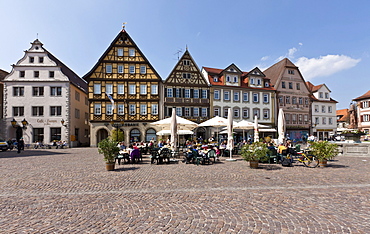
{"points": [[246, 125], [230, 139], [256, 135], [182, 124], [281, 126], [179, 132], [173, 129], [216, 121]]}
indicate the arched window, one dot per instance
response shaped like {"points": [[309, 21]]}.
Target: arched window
{"points": [[135, 135], [150, 134]]}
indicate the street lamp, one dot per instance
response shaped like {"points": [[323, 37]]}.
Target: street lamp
{"points": [[15, 124], [62, 122]]}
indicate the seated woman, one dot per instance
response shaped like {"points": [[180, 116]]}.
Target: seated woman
{"points": [[190, 155]]}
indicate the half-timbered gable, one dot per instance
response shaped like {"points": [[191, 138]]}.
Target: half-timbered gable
{"points": [[187, 90], [124, 89]]}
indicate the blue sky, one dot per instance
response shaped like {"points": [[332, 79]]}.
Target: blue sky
{"points": [[328, 40]]}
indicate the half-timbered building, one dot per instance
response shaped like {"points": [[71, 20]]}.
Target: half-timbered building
{"points": [[188, 91], [123, 92]]}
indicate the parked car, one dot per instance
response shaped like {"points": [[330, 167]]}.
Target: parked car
{"points": [[3, 145]]}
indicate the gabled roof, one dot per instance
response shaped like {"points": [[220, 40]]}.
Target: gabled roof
{"points": [[213, 70], [72, 76], [275, 71], [343, 115], [364, 96], [124, 36], [3, 74], [234, 66], [186, 55]]}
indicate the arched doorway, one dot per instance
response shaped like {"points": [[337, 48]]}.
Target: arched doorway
{"points": [[150, 135], [135, 135], [101, 135], [201, 133]]}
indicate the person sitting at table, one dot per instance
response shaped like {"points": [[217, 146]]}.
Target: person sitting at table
{"points": [[190, 155], [122, 145], [160, 144], [130, 149], [211, 139], [223, 147], [204, 145], [270, 146], [281, 147]]}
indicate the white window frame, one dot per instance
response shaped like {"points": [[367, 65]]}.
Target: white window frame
{"points": [[266, 98], [226, 96], [179, 111], [109, 88], [204, 93], [131, 52], [216, 95], [330, 109], [120, 52], [132, 109], [131, 89], [97, 109], [132, 69], [154, 89], [196, 112], [246, 113], [196, 93], [154, 109], [187, 111], [236, 113], [97, 88], [245, 97], [169, 92], [109, 109], [143, 109], [108, 68], [120, 109], [121, 89], [255, 97], [266, 113], [143, 89], [216, 111], [142, 69], [120, 69], [187, 93], [204, 112], [236, 96]]}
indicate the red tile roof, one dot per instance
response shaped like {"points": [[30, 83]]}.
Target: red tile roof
{"points": [[343, 114], [365, 96]]}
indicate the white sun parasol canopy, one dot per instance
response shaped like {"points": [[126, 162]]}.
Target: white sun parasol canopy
{"points": [[281, 126], [217, 122], [256, 134], [182, 124], [173, 129], [230, 138]]}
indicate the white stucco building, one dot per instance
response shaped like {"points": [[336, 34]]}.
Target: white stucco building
{"points": [[324, 112], [49, 96]]}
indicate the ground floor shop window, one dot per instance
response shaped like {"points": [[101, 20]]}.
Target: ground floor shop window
{"points": [[38, 134], [55, 134], [135, 135]]}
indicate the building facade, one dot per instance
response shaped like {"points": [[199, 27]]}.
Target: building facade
{"points": [[188, 91], [124, 93], [248, 94], [49, 96], [323, 109], [293, 96], [363, 112], [2, 121]]}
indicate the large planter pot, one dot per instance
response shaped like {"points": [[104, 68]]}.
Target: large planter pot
{"points": [[253, 164], [110, 166], [323, 162], [354, 137]]}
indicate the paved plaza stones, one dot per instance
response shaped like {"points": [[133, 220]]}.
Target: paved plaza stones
{"points": [[69, 191]]}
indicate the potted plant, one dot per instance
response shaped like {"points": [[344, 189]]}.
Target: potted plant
{"points": [[255, 152], [324, 151], [108, 148]]}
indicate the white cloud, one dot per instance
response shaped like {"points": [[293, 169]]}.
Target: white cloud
{"points": [[291, 52], [300, 43], [324, 65], [264, 58]]}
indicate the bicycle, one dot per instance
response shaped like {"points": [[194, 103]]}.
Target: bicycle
{"points": [[308, 160]]}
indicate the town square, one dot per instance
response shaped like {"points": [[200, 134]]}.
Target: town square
{"points": [[184, 117], [70, 191]]}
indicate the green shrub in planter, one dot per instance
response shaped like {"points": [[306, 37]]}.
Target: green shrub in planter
{"points": [[257, 151], [108, 148], [324, 150]]}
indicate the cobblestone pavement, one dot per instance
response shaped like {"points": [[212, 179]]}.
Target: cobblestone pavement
{"points": [[70, 191]]}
